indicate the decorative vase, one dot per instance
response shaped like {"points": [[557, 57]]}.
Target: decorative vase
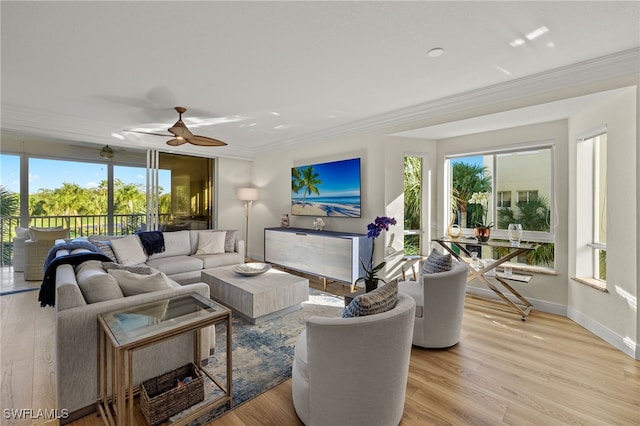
{"points": [[370, 285], [454, 231], [483, 233], [515, 234]]}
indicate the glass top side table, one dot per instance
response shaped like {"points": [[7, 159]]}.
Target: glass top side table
{"points": [[487, 274], [125, 330]]}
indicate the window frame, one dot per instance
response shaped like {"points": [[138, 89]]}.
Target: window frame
{"points": [[587, 249], [420, 231], [535, 236]]}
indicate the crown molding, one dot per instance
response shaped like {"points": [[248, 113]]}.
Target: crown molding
{"points": [[20, 120], [590, 71]]}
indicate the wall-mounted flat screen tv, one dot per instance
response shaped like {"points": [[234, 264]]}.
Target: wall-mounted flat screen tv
{"points": [[326, 189]]}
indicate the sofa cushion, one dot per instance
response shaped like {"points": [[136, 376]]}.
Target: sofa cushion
{"points": [[377, 301], [217, 260], [48, 234], [230, 240], [176, 243], [105, 247], [68, 293], [211, 242], [95, 283], [129, 250], [136, 269], [132, 284], [436, 262], [176, 264]]}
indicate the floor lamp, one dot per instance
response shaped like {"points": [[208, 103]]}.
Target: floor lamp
{"points": [[248, 195]]}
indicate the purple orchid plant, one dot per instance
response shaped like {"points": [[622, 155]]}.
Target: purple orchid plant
{"points": [[374, 229]]}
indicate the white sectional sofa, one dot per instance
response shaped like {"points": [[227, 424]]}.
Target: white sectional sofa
{"points": [[76, 327], [186, 254], [76, 340]]}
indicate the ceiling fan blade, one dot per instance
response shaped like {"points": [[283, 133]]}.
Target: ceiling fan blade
{"points": [[180, 130], [204, 141], [176, 141], [149, 133]]}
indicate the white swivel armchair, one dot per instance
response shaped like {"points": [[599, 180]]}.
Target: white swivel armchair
{"points": [[354, 371], [439, 306]]}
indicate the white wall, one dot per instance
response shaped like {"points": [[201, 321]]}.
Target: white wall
{"points": [[272, 174], [613, 315], [230, 175]]}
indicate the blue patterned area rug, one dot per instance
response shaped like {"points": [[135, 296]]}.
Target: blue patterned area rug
{"points": [[263, 353]]}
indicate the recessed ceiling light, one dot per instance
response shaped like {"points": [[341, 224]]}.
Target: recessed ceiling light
{"points": [[435, 52], [517, 42]]}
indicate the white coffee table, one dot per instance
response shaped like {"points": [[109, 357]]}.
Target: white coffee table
{"points": [[257, 298]]}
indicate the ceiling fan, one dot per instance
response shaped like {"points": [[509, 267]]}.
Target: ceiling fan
{"points": [[183, 134]]}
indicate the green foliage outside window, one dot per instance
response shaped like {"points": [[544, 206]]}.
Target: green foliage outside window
{"points": [[412, 203], [9, 206]]}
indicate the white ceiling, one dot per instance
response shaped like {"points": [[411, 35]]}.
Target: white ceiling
{"points": [[265, 75]]}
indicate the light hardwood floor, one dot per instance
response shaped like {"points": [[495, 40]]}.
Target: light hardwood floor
{"points": [[545, 371]]}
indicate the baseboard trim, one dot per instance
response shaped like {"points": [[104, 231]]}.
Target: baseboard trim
{"points": [[538, 305], [625, 345], [619, 342]]}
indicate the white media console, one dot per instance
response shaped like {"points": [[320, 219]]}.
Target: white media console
{"points": [[327, 254]]}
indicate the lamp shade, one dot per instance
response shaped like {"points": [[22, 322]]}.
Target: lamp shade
{"points": [[247, 194]]}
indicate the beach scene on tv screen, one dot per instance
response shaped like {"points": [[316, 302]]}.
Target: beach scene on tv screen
{"points": [[326, 189]]}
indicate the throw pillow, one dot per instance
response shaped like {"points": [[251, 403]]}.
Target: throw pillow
{"points": [[211, 242], [48, 234], [436, 262], [230, 240], [105, 247], [377, 301], [136, 269], [95, 284], [129, 250], [132, 284]]}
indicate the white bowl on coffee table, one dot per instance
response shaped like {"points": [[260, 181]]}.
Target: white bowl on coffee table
{"points": [[251, 268]]}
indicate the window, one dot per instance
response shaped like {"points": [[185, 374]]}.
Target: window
{"points": [[503, 174], [9, 204], [591, 220], [525, 197], [70, 199], [503, 199], [599, 243], [412, 205]]}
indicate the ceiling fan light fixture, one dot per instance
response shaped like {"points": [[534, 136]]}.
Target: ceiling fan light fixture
{"points": [[183, 135], [106, 152]]}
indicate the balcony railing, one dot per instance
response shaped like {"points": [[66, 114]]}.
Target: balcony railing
{"points": [[79, 226]]}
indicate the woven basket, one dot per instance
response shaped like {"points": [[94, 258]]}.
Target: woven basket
{"points": [[161, 399]]}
